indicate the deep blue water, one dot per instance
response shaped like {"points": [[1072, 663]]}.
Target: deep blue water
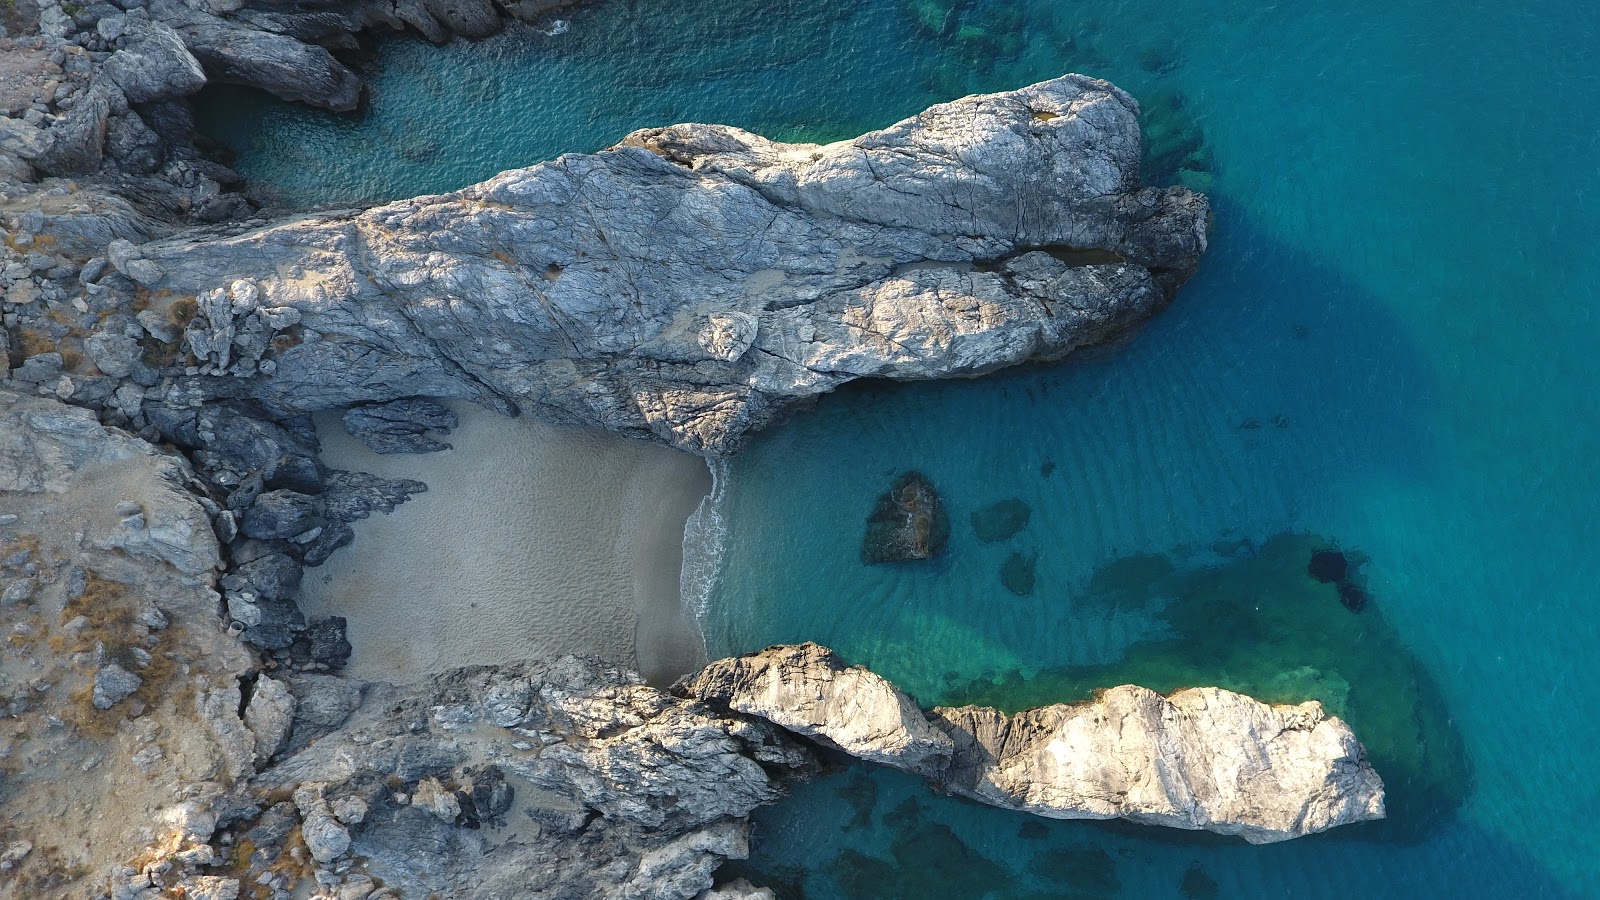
{"points": [[1391, 346]]}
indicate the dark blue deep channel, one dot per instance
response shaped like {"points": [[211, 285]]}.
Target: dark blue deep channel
{"points": [[1391, 348]]}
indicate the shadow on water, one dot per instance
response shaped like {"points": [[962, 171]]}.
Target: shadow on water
{"points": [[905, 842]]}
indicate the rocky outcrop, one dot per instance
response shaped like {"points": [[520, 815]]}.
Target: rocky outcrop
{"points": [[695, 282], [1203, 758], [807, 689], [561, 779]]}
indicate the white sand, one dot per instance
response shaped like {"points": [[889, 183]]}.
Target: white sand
{"points": [[532, 540]]}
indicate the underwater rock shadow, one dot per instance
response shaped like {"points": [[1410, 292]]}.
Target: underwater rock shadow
{"points": [[1306, 361]]}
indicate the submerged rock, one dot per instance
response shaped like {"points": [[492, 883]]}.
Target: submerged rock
{"points": [[1328, 566], [1001, 521], [621, 288], [907, 524], [1203, 758], [1017, 573]]}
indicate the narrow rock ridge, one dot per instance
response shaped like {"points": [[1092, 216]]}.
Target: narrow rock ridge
{"points": [[695, 282], [1203, 758]]}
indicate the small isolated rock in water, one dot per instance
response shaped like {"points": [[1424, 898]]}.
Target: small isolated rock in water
{"points": [[114, 684], [401, 426], [1333, 567], [909, 523], [1001, 520]]}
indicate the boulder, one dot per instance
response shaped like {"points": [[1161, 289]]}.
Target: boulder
{"points": [[807, 689], [153, 64], [907, 524]]}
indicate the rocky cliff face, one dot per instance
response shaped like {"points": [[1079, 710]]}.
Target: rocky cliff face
{"points": [[1203, 758], [695, 282]]}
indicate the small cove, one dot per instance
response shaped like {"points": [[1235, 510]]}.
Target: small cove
{"points": [[1389, 346]]}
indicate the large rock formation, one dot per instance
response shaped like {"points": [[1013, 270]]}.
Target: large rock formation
{"points": [[1203, 758], [694, 282]]}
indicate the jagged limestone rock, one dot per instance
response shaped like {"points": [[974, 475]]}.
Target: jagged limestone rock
{"points": [[1203, 758], [807, 689], [697, 281]]}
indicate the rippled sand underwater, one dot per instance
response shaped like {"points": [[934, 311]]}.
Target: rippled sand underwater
{"points": [[1388, 349]]}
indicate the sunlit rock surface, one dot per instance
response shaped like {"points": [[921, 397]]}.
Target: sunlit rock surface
{"points": [[1203, 758], [696, 281]]}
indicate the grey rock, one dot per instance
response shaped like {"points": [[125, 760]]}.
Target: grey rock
{"points": [[41, 368], [275, 63], [323, 703], [18, 592], [281, 514], [624, 288], [22, 140], [113, 684], [153, 64], [807, 689], [325, 837], [469, 18], [737, 889], [401, 426], [269, 716], [631, 792], [132, 145], [113, 354], [78, 140], [356, 495], [1203, 758]]}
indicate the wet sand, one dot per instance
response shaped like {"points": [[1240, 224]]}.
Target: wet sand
{"points": [[532, 540]]}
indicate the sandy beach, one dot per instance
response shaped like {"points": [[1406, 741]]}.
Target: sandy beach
{"points": [[532, 540]]}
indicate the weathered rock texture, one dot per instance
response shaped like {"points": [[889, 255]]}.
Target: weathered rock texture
{"points": [[808, 689], [560, 779], [1203, 758], [695, 282], [118, 685]]}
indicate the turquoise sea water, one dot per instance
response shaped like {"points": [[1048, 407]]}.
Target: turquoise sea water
{"points": [[1391, 347]]}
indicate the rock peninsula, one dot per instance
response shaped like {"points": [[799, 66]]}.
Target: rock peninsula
{"points": [[694, 283], [1203, 758]]}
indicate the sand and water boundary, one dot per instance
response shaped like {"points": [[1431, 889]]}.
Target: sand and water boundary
{"points": [[532, 540]]}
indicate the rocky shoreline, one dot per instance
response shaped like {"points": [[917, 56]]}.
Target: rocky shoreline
{"points": [[176, 727]]}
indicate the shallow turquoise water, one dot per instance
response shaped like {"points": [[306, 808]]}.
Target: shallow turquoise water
{"points": [[1390, 345]]}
